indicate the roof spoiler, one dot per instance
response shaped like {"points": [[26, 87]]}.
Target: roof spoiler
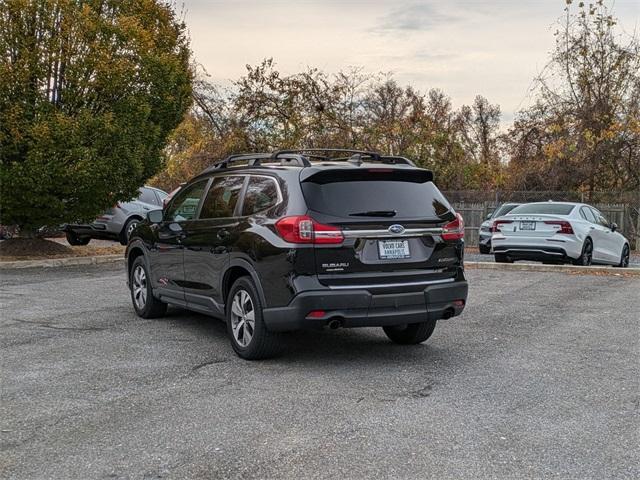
{"points": [[320, 175]]}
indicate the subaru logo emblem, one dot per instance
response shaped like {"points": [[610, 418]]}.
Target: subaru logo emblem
{"points": [[396, 228]]}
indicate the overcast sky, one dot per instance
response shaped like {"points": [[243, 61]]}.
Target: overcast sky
{"points": [[464, 47]]}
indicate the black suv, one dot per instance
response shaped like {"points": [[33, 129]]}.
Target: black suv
{"points": [[277, 242]]}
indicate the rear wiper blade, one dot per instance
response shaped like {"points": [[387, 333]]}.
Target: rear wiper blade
{"points": [[374, 213]]}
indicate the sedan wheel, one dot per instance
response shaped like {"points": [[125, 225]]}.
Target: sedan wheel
{"points": [[624, 259], [586, 257], [131, 227]]}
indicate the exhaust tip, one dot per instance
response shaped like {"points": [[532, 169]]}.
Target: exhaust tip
{"points": [[334, 323]]}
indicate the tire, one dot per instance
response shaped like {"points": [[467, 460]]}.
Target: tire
{"points": [[624, 258], [484, 248], [410, 334], [75, 240], [586, 257], [247, 332], [501, 258], [128, 229], [144, 303]]}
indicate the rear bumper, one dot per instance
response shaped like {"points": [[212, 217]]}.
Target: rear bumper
{"points": [[93, 230], [484, 238], [557, 247], [360, 308], [539, 254]]}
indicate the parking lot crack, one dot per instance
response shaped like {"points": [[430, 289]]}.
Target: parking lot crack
{"points": [[207, 363]]}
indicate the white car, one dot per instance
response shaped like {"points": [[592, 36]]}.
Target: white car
{"points": [[558, 232]]}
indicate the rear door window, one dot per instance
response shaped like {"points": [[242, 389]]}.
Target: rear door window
{"points": [[160, 197], [600, 218], [223, 197], [185, 204], [147, 196], [587, 214], [381, 193], [262, 193]]}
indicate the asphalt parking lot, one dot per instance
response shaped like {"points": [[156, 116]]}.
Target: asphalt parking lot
{"points": [[539, 378]]}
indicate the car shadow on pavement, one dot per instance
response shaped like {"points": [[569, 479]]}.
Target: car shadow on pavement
{"points": [[328, 347]]}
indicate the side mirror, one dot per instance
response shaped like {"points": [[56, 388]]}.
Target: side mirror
{"points": [[614, 226], [488, 216], [155, 216]]}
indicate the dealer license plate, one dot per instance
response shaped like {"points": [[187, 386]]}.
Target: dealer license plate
{"points": [[527, 225], [393, 249]]}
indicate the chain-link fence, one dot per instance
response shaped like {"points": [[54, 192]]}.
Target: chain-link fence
{"points": [[622, 208], [631, 198]]}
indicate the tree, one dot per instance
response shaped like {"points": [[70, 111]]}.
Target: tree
{"points": [[266, 110], [89, 91], [583, 131]]}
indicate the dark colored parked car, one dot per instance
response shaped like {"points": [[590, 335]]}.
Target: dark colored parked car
{"points": [[302, 239]]}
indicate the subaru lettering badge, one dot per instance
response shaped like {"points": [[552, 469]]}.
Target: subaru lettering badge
{"points": [[396, 228]]}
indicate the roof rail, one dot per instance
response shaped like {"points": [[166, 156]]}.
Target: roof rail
{"points": [[256, 159], [373, 155], [400, 160], [357, 156], [301, 157]]}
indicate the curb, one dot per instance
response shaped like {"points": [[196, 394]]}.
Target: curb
{"points": [[535, 267], [523, 267], [63, 262]]}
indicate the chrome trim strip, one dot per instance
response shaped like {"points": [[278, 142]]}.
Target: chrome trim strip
{"points": [[409, 232], [527, 250], [390, 285]]}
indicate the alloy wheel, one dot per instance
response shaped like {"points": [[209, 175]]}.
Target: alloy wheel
{"points": [[587, 254], [625, 257], [132, 226], [243, 319], [139, 287]]}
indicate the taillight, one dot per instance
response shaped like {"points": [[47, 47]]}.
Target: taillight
{"points": [[454, 230], [303, 229], [496, 225], [565, 227]]}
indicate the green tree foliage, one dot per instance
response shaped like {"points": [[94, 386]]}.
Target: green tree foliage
{"points": [[583, 132], [89, 91]]}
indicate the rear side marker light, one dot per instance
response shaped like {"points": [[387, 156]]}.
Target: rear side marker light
{"points": [[458, 303], [496, 225], [304, 229], [454, 230], [316, 314], [565, 227]]}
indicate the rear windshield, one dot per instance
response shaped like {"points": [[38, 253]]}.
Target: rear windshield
{"points": [[408, 194], [544, 209]]}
